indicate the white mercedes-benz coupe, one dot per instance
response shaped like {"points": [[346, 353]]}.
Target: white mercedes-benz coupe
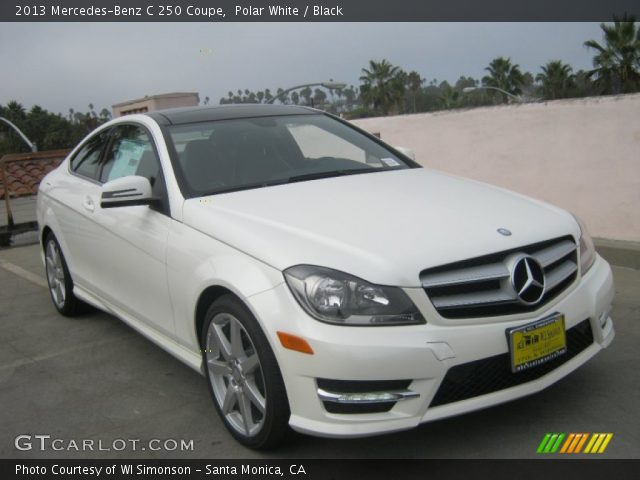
{"points": [[319, 278]]}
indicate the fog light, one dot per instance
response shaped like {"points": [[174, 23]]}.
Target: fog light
{"points": [[366, 397]]}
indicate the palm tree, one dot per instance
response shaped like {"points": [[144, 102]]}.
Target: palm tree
{"points": [[306, 94], [556, 79], [319, 98], [617, 62], [414, 83], [382, 86], [449, 97], [15, 111], [505, 76]]}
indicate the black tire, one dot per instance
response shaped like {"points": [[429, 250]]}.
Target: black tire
{"points": [[275, 419], [70, 306]]}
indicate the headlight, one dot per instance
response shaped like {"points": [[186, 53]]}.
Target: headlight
{"points": [[336, 297], [587, 249]]}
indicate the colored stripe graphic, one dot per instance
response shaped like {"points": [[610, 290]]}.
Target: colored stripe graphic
{"points": [[550, 443], [598, 443], [574, 443], [543, 443], [567, 443]]}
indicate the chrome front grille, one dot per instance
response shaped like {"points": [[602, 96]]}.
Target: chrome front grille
{"points": [[483, 286]]}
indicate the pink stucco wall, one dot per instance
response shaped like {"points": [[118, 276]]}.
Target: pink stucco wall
{"points": [[579, 154]]}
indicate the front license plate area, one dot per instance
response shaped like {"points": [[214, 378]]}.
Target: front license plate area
{"points": [[537, 343]]}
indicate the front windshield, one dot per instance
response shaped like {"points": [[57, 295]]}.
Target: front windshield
{"points": [[228, 155]]}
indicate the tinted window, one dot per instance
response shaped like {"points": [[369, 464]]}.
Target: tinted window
{"points": [[131, 152], [227, 155], [86, 161]]}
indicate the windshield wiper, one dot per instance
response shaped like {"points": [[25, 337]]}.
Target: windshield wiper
{"points": [[247, 186], [292, 179], [333, 173]]}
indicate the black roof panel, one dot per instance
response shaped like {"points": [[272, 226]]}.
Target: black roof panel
{"points": [[178, 116]]}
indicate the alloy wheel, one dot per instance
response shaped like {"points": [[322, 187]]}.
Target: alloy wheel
{"points": [[236, 374], [55, 273]]}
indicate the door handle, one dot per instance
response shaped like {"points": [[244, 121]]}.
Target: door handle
{"points": [[88, 204]]}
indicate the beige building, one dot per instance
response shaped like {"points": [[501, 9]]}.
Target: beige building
{"points": [[156, 102]]}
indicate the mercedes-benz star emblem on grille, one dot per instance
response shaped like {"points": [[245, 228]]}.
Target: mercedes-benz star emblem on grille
{"points": [[504, 231], [527, 279]]}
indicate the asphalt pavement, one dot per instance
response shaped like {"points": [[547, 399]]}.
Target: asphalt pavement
{"points": [[94, 378]]}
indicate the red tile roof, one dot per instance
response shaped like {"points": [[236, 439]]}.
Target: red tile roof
{"points": [[24, 171]]}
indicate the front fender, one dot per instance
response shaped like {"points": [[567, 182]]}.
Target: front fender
{"points": [[195, 262]]}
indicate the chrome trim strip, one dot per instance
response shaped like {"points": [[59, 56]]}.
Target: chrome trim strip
{"points": [[554, 253], [336, 397], [560, 273], [493, 271], [475, 298]]}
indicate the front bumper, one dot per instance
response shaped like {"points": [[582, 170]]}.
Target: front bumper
{"points": [[420, 354]]}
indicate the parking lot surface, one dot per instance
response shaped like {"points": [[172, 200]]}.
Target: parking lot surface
{"points": [[94, 378]]}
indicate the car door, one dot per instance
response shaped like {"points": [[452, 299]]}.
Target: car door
{"points": [[131, 253], [76, 194]]}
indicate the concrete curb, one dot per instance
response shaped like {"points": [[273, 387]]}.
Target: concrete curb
{"points": [[619, 252]]}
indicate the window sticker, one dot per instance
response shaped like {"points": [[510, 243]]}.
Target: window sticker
{"points": [[390, 162], [127, 159]]}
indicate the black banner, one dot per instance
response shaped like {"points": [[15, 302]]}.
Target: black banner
{"points": [[313, 10], [320, 469]]}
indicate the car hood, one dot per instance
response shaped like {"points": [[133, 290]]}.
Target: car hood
{"points": [[385, 227]]}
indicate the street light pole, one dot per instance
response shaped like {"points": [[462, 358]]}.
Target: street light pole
{"points": [[331, 85], [32, 145], [471, 89]]}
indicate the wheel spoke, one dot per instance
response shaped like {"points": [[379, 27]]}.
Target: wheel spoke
{"points": [[51, 276], [229, 400], [50, 253], [219, 367], [60, 293], [222, 342], [249, 364], [50, 265], [56, 255], [236, 339], [245, 411], [254, 395]]}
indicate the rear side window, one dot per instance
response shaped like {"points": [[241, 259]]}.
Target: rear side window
{"points": [[86, 161], [131, 152]]}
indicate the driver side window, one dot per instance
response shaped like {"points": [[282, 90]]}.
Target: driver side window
{"points": [[131, 152]]}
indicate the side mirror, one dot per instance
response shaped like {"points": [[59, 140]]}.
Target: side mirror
{"points": [[406, 151], [126, 192]]}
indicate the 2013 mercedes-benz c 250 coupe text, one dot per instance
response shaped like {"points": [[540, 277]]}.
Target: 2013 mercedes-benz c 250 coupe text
{"points": [[319, 278]]}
